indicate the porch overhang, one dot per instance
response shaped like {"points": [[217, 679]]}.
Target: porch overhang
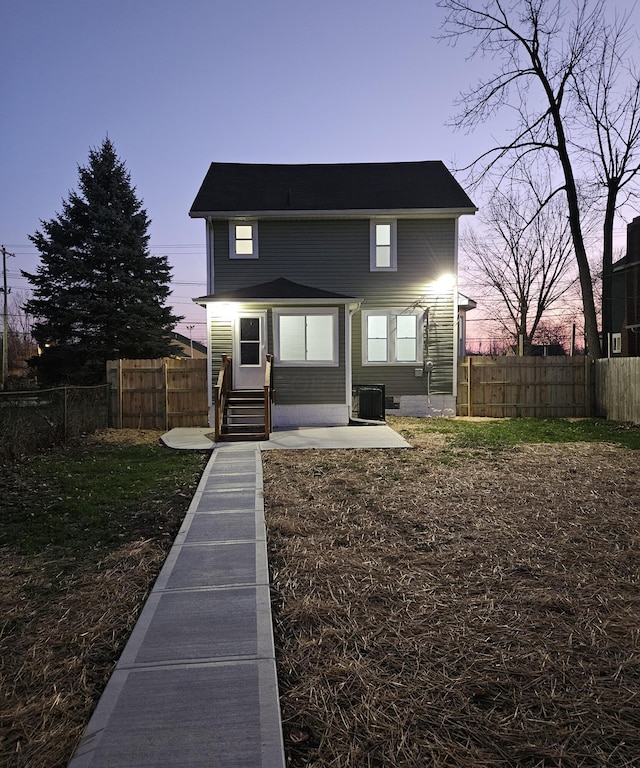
{"points": [[281, 292]]}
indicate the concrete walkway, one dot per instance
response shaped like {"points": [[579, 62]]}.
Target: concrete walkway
{"points": [[196, 684]]}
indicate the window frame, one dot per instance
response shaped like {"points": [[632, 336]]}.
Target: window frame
{"points": [[279, 312], [233, 239], [373, 245], [392, 337]]}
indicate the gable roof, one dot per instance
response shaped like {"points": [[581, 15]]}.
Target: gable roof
{"points": [[234, 188], [278, 290]]}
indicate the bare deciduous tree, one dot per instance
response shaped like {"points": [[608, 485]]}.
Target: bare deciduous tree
{"points": [[552, 55], [609, 94], [524, 255]]}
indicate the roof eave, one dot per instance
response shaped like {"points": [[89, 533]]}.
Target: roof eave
{"points": [[396, 213], [203, 300]]}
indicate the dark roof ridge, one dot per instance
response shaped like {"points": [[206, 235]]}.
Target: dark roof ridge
{"points": [[419, 185]]}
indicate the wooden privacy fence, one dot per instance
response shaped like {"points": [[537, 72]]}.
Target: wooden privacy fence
{"points": [[539, 387], [618, 388], [158, 394]]}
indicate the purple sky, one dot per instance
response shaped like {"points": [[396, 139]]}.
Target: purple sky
{"points": [[177, 84]]}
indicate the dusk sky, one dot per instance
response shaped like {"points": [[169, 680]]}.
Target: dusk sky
{"points": [[177, 84]]}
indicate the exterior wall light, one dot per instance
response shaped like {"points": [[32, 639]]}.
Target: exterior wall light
{"points": [[226, 310], [444, 284]]}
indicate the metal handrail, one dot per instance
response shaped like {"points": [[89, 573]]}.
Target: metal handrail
{"points": [[268, 393]]}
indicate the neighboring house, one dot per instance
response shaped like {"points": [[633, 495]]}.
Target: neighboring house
{"points": [[344, 274], [188, 347], [625, 297]]}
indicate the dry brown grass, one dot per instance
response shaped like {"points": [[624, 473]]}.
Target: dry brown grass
{"points": [[64, 641], [457, 608], [65, 617]]}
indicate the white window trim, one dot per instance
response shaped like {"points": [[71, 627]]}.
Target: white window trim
{"points": [[232, 238], [394, 245], [616, 343], [391, 314], [277, 313]]}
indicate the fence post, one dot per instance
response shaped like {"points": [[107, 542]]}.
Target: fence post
{"points": [[165, 369], [469, 388], [64, 413], [120, 397]]}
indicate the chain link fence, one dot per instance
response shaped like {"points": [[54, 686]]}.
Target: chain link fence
{"points": [[35, 420]]}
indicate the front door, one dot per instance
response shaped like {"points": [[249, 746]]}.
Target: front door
{"points": [[250, 349]]}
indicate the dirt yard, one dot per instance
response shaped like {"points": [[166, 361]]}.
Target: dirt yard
{"points": [[441, 607]]}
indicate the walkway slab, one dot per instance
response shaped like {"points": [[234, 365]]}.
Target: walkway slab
{"points": [[196, 684]]}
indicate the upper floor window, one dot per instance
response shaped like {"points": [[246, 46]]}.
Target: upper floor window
{"points": [[383, 245], [243, 239]]}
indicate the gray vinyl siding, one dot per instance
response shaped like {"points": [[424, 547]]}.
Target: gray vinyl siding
{"points": [[334, 255], [221, 343]]}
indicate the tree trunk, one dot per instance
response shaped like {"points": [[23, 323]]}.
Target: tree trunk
{"points": [[607, 265], [584, 270]]}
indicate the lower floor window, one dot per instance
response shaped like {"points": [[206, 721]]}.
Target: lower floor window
{"points": [[306, 337], [391, 336]]}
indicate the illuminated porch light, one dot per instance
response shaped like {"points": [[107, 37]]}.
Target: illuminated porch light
{"points": [[226, 310], [445, 283]]}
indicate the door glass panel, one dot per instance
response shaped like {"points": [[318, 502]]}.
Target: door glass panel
{"points": [[249, 353], [249, 341], [249, 329]]}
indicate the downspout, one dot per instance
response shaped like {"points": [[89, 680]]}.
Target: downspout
{"points": [[350, 310], [455, 315], [209, 308]]}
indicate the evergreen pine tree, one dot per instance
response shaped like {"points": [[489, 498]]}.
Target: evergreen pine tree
{"points": [[98, 293]]}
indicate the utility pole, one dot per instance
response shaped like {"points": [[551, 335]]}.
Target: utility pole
{"points": [[191, 327], [5, 318]]}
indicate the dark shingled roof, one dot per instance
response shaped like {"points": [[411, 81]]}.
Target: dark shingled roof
{"points": [[277, 289], [244, 187]]}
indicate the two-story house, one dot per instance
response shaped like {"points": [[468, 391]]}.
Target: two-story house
{"points": [[335, 277]]}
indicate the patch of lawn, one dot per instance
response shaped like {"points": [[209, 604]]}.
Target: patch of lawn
{"points": [[88, 498], [498, 434]]}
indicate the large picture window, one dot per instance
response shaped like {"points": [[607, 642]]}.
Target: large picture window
{"points": [[391, 337], [306, 337]]}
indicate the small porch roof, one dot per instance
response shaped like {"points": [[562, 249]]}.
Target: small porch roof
{"points": [[280, 291]]}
